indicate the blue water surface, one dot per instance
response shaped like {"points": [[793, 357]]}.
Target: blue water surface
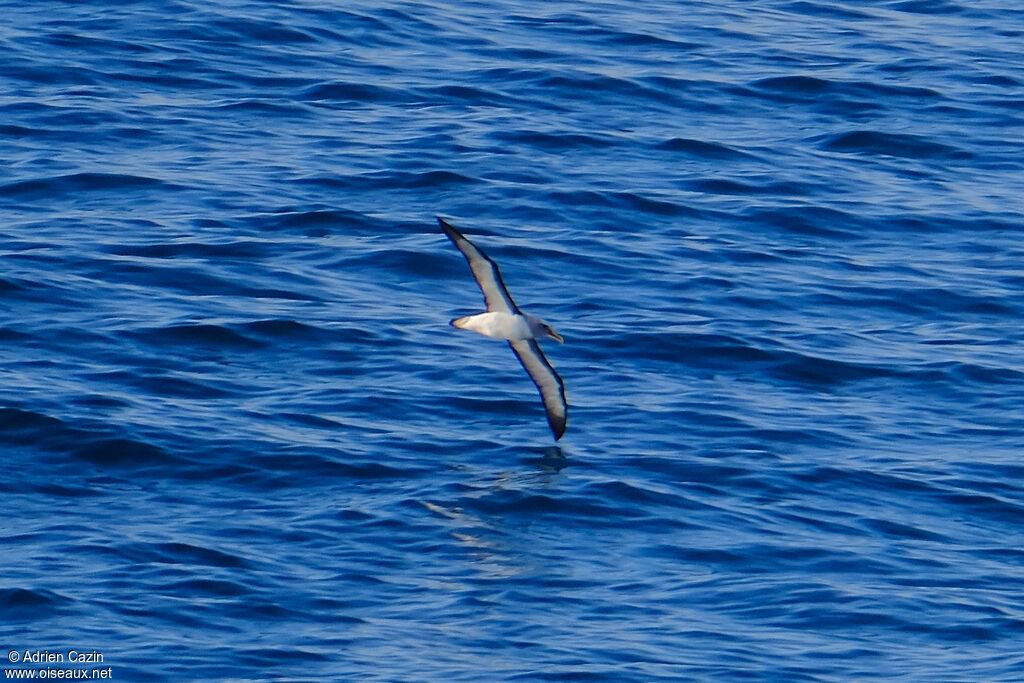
{"points": [[783, 240]]}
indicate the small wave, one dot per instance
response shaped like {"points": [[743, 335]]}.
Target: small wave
{"points": [[406, 262], [238, 249], [198, 334], [891, 144], [207, 588], [79, 182], [264, 31], [812, 85], [554, 141], [474, 95], [895, 530], [283, 329], [122, 452], [598, 86], [815, 9], [325, 467], [811, 370], [660, 206], [808, 220], [735, 187], [262, 107], [167, 385], [15, 420], [17, 131], [520, 503], [391, 180], [179, 553], [699, 350], [19, 426], [701, 149], [926, 7], [352, 92], [31, 603]]}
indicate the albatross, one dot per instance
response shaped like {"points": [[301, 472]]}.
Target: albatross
{"points": [[504, 320]]}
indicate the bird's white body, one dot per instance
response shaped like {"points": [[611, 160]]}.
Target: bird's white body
{"points": [[497, 325]]}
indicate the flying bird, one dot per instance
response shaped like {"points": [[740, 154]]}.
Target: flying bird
{"points": [[504, 320]]}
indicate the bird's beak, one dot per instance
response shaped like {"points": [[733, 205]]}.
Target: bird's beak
{"points": [[554, 335]]}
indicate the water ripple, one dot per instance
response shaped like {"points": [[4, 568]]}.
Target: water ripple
{"points": [[241, 441]]}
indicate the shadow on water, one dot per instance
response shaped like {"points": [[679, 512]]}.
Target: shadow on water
{"points": [[552, 459]]}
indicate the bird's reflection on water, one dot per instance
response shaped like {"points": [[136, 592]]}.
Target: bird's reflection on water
{"points": [[491, 538], [552, 459]]}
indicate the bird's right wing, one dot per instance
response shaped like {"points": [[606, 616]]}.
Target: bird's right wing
{"points": [[552, 391], [485, 271]]}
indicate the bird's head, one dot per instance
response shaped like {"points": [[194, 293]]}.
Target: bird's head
{"points": [[542, 329], [550, 331]]}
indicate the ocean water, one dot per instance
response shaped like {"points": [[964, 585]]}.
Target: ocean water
{"points": [[782, 239]]}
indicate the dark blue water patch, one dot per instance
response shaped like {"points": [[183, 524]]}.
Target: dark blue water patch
{"points": [[325, 467], [85, 44], [24, 426], [815, 221], [316, 221], [609, 90], [96, 442], [890, 144], [197, 335], [348, 93], [819, 9], [801, 87], [122, 452], [736, 187], [400, 261], [867, 481], [812, 371], [174, 553], [18, 131], [556, 142], [195, 280], [58, 491], [701, 149], [390, 181], [165, 384], [639, 39], [44, 188], [235, 249], [897, 531], [263, 107], [207, 588], [463, 94], [926, 7], [277, 656], [30, 604], [629, 200], [285, 330], [703, 350]]}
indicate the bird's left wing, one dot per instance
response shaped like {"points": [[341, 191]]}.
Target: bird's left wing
{"points": [[485, 271], [552, 390]]}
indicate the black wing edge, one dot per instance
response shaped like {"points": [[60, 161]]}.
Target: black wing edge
{"points": [[453, 234], [555, 422]]}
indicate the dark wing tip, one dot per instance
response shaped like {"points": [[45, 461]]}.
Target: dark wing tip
{"points": [[449, 230], [557, 427]]}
